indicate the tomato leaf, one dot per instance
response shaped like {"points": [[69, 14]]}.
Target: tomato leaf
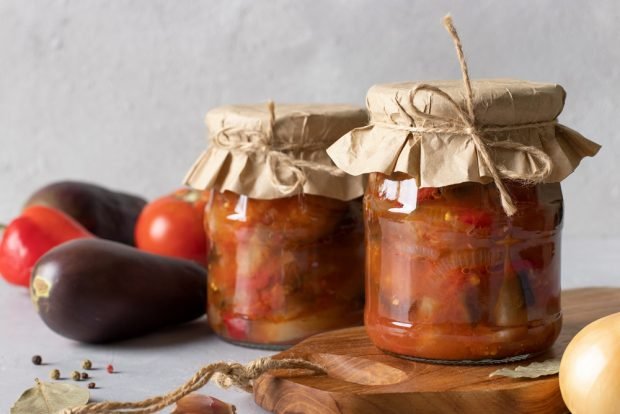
{"points": [[534, 370], [50, 398]]}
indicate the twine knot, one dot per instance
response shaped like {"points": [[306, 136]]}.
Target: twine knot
{"points": [[276, 156], [464, 122]]}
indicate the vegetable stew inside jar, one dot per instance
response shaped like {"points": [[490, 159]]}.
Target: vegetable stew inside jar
{"points": [[285, 226], [455, 278], [463, 216]]}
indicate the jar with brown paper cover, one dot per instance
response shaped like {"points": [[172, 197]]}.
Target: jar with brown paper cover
{"points": [[463, 215], [285, 225]]}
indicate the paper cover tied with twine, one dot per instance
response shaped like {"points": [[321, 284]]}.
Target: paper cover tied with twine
{"points": [[449, 132], [438, 153], [268, 151]]}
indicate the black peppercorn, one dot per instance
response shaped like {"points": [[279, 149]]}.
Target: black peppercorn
{"points": [[91, 385], [84, 375], [37, 360]]}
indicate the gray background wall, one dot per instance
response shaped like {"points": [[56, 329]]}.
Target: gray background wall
{"points": [[115, 91]]}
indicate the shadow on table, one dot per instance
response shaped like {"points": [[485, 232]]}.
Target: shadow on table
{"points": [[191, 332]]}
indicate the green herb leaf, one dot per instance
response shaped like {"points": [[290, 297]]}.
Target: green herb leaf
{"points": [[534, 370], [49, 398]]}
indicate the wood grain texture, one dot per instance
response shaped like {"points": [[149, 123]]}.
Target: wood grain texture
{"points": [[363, 380]]}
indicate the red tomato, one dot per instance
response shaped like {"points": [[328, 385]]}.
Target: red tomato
{"points": [[173, 226], [36, 231]]}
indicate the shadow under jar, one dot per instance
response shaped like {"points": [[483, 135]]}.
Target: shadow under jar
{"points": [[452, 278], [281, 270]]}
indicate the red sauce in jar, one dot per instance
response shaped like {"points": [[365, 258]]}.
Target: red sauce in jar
{"points": [[451, 278], [284, 269]]}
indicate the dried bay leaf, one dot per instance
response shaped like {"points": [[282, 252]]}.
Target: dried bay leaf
{"points": [[50, 398], [534, 370]]}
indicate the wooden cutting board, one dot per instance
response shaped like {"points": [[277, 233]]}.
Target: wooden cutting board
{"points": [[363, 380]]}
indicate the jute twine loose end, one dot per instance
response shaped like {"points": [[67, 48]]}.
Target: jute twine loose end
{"points": [[225, 374], [465, 123], [256, 142]]}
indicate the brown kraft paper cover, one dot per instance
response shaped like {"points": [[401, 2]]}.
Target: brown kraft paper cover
{"points": [[268, 151], [438, 159]]}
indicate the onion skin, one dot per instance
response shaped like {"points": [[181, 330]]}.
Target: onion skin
{"points": [[590, 368]]}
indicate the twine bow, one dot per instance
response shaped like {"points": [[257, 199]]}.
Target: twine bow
{"points": [[279, 162], [465, 123], [225, 374]]}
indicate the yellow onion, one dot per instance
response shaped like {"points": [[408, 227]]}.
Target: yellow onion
{"points": [[590, 368]]}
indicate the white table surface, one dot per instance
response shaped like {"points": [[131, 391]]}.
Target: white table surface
{"points": [[158, 363]]}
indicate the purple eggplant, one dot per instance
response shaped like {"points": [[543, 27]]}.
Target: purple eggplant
{"points": [[107, 214], [95, 291]]}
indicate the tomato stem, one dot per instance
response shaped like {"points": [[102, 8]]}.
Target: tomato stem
{"points": [[191, 196]]}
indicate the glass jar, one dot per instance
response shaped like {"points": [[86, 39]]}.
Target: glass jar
{"points": [[452, 278], [283, 269]]}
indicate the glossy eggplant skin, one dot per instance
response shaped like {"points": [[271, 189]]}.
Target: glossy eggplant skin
{"points": [[98, 291], [107, 214]]}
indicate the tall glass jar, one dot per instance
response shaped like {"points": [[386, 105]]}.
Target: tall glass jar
{"points": [[281, 270], [450, 277], [462, 257], [285, 226]]}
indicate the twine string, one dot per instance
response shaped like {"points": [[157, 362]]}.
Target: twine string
{"points": [[279, 162], [225, 374], [465, 123]]}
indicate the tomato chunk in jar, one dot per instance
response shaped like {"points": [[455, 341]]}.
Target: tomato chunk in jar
{"points": [[284, 269], [451, 278]]}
